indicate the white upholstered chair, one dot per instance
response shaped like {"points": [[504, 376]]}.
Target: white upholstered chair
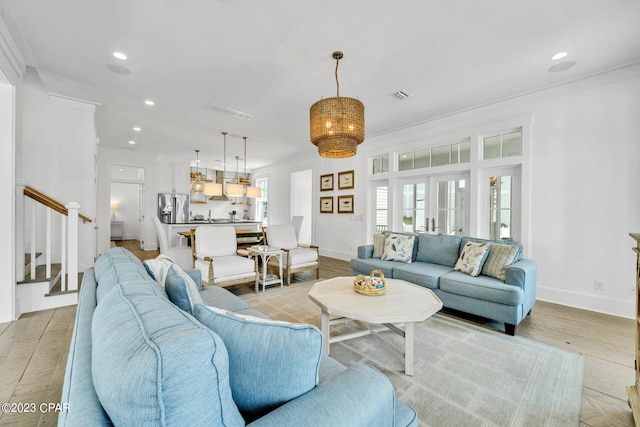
{"points": [[181, 256], [296, 257], [214, 249]]}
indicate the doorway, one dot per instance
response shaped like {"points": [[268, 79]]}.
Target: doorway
{"points": [[436, 204], [127, 204], [301, 202]]}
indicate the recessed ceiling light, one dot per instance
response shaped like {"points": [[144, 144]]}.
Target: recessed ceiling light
{"points": [[562, 66], [137, 128], [132, 142], [120, 55], [149, 102], [559, 55]]}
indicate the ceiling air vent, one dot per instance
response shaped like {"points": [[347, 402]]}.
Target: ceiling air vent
{"points": [[402, 95], [230, 111]]}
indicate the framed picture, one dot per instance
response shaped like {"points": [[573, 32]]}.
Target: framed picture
{"points": [[345, 204], [326, 182], [326, 204], [345, 180]]}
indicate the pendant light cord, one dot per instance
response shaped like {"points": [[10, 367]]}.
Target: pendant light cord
{"points": [[337, 83]]}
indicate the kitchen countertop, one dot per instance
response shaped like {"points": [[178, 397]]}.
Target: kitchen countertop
{"points": [[219, 221]]}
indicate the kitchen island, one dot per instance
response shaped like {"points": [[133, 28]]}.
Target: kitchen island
{"points": [[248, 231]]}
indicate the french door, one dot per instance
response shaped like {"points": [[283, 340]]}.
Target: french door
{"points": [[436, 204]]}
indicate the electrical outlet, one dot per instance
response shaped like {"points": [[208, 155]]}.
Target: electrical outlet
{"points": [[598, 285]]}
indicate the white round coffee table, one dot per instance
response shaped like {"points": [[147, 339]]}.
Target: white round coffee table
{"points": [[404, 302]]}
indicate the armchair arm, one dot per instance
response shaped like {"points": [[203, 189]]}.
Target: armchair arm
{"points": [[358, 396], [365, 251], [305, 245]]}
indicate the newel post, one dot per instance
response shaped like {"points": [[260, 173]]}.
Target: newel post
{"points": [[72, 245]]}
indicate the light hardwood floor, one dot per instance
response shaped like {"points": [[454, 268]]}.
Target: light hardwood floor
{"points": [[33, 353]]}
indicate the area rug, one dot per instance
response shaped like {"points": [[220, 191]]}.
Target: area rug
{"points": [[464, 375]]}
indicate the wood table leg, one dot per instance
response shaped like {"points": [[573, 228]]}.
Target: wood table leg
{"points": [[326, 332], [408, 348]]}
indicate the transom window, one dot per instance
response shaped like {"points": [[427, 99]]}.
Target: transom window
{"points": [[505, 145], [459, 152]]}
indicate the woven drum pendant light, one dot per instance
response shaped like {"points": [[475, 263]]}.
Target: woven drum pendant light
{"points": [[337, 124]]}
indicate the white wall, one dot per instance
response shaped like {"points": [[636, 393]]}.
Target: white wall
{"points": [[583, 199], [58, 146]]}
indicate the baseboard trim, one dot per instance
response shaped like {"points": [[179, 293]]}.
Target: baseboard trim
{"points": [[606, 305]]}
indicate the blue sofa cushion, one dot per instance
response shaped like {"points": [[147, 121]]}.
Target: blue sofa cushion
{"points": [[153, 364], [119, 266], [270, 362], [481, 288], [420, 273], [472, 258], [442, 250], [366, 265]]}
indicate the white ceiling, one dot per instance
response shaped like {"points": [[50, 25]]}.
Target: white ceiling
{"points": [[272, 59]]}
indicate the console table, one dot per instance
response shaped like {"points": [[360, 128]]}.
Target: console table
{"points": [[117, 230]]}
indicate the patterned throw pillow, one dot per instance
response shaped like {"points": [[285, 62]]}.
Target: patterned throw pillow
{"points": [[378, 245], [471, 258], [398, 247], [500, 257]]}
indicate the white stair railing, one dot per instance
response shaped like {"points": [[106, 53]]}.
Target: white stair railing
{"points": [[67, 233]]}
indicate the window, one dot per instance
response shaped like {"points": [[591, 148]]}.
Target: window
{"points": [[382, 208], [459, 152], [413, 207], [263, 213], [501, 207], [505, 145], [380, 164]]}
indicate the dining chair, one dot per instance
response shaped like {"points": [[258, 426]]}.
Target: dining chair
{"points": [[180, 255], [214, 251]]}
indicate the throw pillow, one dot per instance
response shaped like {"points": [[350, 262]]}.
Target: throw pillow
{"points": [[270, 362], [181, 289], [378, 245], [398, 247], [472, 258], [499, 258]]}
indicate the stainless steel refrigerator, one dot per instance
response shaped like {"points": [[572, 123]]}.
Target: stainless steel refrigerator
{"points": [[173, 208]]}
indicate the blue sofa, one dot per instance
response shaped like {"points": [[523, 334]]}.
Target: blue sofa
{"points": [[140, 356], [432, 266]]}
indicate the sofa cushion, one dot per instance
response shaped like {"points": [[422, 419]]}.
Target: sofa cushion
{"points": [[415, 241], [438, 249], [481, 288], [472, 257], [367, 265], [519, 255], [217, 296], [378, 244], [118, 265], [421, 273], [181, 289], [499, 258], [398, 247], [153, 364], [270, 362]]}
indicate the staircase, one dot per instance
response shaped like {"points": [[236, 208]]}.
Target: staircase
{"points": [[47, 284]]}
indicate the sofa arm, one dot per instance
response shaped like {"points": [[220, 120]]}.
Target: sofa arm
{"points": [[365, 251], [522, 274], [358, 396]]}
